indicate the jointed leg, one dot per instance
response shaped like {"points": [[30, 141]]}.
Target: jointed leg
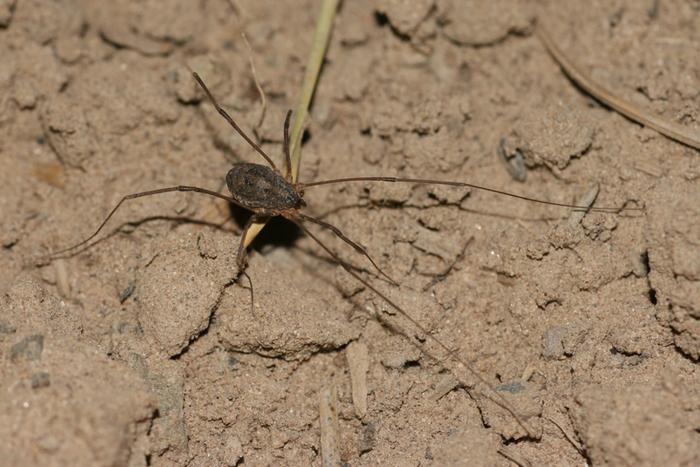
{"points": [[231, 122], [241, 260], [359, 248], [140, 195], [252, 294], [497, 398], [422, 181]]}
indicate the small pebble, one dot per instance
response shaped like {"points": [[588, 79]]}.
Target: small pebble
{"points": [[126, 293], [40, 380], [28, 349], [513, 388], [554, 343], [367, 442]]}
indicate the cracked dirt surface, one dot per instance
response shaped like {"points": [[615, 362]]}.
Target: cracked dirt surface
{"points": [[144, 350]]}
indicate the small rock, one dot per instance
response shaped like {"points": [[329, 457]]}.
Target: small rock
{"points": [[126, 293], [553, 345], [462, 443], [554, 137], [639, 262], [475, 23], [49, 443], [28, 349], [40, 380], [232, 451], [68, 130], [513, 387], [406, 15], [7, 328], [399, 359], [7, 8], [367, 442]]}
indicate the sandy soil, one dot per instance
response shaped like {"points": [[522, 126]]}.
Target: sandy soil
{"points": [[144, 350]]}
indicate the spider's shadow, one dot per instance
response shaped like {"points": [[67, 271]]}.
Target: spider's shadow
{"points": [[278, 232]]}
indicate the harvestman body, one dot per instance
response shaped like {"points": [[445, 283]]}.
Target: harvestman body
{"points": [[267, 193]]}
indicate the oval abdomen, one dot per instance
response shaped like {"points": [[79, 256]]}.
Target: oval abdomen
{"points": [[259, 188]]}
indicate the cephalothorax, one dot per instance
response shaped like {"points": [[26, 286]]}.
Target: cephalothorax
{"points": [[268, 193]]}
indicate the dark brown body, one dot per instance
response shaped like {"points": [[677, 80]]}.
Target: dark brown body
{"points": [[261, 189]]}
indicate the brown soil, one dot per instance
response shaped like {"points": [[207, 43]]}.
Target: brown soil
{"points": [[143, 350]]}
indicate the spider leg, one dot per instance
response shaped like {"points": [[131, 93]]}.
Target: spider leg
{"points": [[496, 398], [141, 195], [232, 122], [359, 248], [423, 181], [242, 258]]}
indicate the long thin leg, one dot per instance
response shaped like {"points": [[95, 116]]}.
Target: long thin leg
{"points": [[422, 181], [231, 122], [242, 259], [140, 195], [287, 156], [359, 248], [252, 294], [499, 399]]}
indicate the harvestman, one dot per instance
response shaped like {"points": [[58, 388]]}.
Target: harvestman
{"points": [[268, 193]]}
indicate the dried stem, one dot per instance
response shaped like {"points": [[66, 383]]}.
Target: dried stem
{"points": [[674, 131], [313, 69]]}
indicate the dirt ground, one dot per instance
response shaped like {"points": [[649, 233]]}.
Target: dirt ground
{"points": [[144, 350]]}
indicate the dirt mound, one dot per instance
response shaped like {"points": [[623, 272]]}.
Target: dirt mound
{"points": [[144, 349]]}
